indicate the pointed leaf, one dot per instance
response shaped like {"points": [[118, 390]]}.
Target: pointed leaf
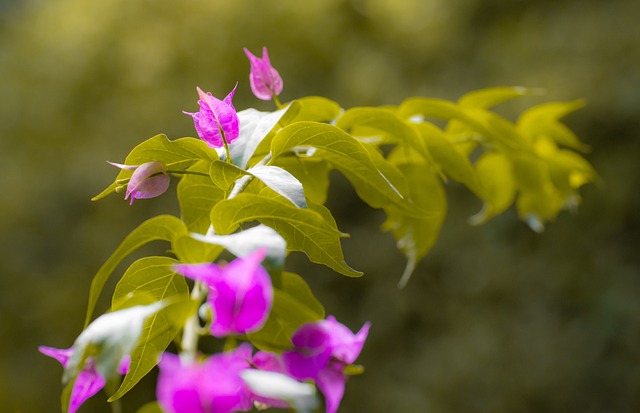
{"points": [[151, 407], [303, 228], [415, 235], [544, 119], [360, 165], [489, 97], [163, 227], [383, 122]]}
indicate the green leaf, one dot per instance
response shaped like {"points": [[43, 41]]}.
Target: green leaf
{"points": [[312, 173], [293, 305], [361, 121], [453, 162], [197, 194], [158, 332], [416, 235], [163, 227], [489, 97], [316, 109], [224, 175], [544, 120], [490, 126], [304, 229], [178, 154], [151, 276], [359, 164], [497, 186]]}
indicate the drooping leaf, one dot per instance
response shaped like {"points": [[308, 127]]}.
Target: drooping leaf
{"points": [[293, 305], [303, 228], [163, 227], [416, 235], [282, 182], [544, 120], [177, 154], [497, 186]]}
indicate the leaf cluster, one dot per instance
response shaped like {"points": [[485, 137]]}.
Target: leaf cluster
{"points": [[395, 157]]}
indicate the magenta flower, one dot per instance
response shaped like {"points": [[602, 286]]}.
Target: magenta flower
{"points": [[240, 293], [88, 382], [320, 352], [213, 386], [264, 79], [148, 180], [217, 120]]}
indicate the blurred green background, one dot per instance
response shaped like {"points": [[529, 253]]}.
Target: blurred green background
{"points": [[496, 318]]}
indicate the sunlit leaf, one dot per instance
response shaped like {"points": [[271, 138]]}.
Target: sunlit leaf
{"points": [[544, 119], [162, 227], [311, 172], [303, 228], [489, 97], [497, 186], [416, 235], [346, 154], [316, 109]]}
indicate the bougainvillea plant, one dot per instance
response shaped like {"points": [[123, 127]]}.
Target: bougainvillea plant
{"points": [[254, 184]]}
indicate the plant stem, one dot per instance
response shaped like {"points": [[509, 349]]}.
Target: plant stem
{"points": [[190, 334]]}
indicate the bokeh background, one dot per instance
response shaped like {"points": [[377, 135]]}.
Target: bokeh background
{"points": [[495, 319]]}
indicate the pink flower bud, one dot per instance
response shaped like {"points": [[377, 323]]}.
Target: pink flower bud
{"points": [[217, 120], [148, 180], [265, 80]]}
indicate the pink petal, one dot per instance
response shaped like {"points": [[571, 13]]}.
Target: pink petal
{"points": [[331, 382], [207, 273], [177, 390], [62, 355], [149, 180], [346, 346], [265, 81], [87, 384]]}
